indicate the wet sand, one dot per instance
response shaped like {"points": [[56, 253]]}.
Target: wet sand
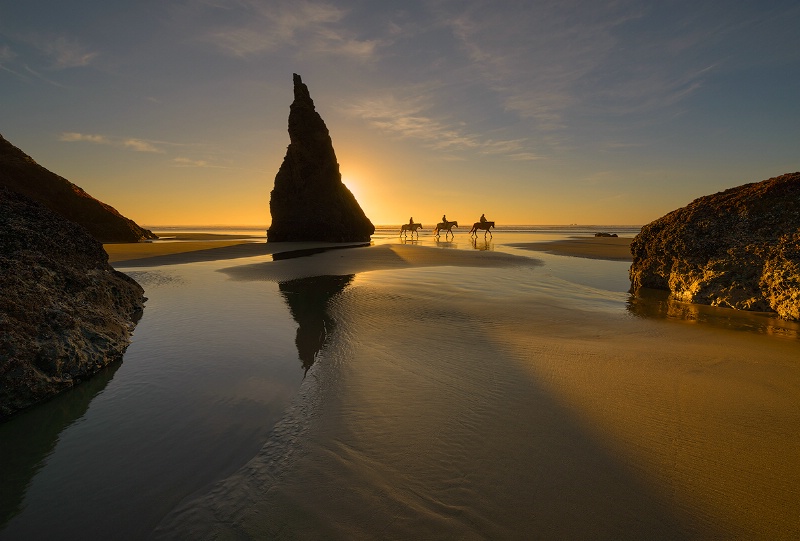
{"points": [[609, 248], [466, 394], [181, 245], [190, 247]]}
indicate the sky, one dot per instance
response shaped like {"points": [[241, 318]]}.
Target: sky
{"points": [[532, 112]]}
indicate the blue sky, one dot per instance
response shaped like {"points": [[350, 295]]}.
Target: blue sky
{"points": [[531, 112]]}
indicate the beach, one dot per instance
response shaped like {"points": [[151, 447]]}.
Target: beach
{"points": [[494, 388]]}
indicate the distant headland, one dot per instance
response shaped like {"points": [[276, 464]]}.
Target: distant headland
{"points": [[21, 174]]}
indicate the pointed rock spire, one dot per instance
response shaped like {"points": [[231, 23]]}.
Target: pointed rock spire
{"points": [[309, 201]]}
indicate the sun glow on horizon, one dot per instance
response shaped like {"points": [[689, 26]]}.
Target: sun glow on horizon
{"points": [[368, 195]]}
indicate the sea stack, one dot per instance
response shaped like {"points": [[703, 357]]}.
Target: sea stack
{"points": [[309, 201], [21, 174], [737, 249]]}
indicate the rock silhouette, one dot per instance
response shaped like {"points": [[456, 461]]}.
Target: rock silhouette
{"points": [[65, 313], [737, 249], [309, 201], [20, 173]]}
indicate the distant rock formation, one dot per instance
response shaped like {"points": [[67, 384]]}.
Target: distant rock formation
{"points": [[64, 312], [21, 174], [309, 201], [739, 249]]}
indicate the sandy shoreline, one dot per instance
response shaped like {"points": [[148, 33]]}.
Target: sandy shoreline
{"points": [[190, 247], [608, 248]]}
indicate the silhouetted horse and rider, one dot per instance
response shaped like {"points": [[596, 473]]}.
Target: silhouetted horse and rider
{"points": [[446, 226], [483, 224], [411, 226]]}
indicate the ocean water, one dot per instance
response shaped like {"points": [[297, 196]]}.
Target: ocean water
{"points": [[412, 388]]}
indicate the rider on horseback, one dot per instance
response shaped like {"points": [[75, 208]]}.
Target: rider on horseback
{"points": [[483, 218], [444, 219]]}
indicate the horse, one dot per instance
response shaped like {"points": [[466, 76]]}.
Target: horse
{"points": [[481, 225], [405, 228], [448, 226]]}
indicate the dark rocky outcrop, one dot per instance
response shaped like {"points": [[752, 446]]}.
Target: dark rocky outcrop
{"points": [[309, 201], [21, 174], [64, 312], [739, 249]]}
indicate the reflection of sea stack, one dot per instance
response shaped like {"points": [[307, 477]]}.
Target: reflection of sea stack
{"points": [[21, 174], [309, 201], [308, 299]]}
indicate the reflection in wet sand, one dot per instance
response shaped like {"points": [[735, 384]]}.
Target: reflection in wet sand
{"points": [[27, 439], [482, 244], [308, 300], [446, 244], [657, 304]]}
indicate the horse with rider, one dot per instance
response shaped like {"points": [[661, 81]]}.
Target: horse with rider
{"points": [[446, 226], [483, 224]]}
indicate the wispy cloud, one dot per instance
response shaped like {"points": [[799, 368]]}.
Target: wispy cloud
{"points": [[411, 119], [41, 77], [210, 164], [6, 54], [72, 137], [140, 145], [187, 162], [305, 25], [137, 145], [65, 52], [552, 60], [56, 53], [536, 59], [157, 147]]}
